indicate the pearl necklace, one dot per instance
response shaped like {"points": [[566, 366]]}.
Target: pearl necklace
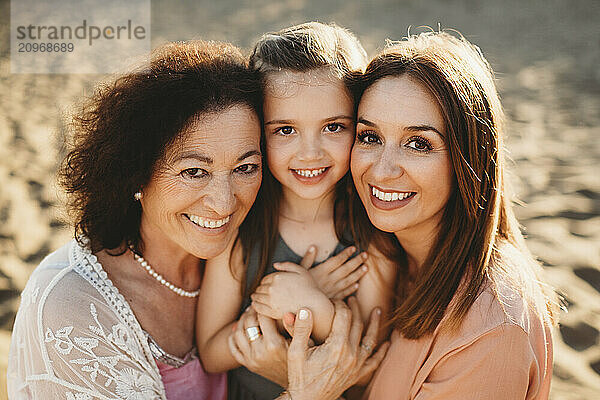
{"points": [[179, 291]]}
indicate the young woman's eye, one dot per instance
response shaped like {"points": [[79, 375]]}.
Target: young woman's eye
{"points": [[247, 169], [194, 173], [334, 127], [368, 137], [285, 131], [420, 144]]}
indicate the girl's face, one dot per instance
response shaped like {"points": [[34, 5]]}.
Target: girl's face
{"points": [[400, 161], [309, 128]]}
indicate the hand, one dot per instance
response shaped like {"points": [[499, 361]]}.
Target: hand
{"points": [[287, 291], [337, 276], [324, 372], [267, 355]]}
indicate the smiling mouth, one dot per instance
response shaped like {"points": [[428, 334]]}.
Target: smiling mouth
{"points": [[310, 173], [390, 196], [207, 222]]}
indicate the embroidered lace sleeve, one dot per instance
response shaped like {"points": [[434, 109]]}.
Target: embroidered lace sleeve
{"points": [[74, 339]]}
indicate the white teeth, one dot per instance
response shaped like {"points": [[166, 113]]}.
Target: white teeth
{"points": [[390, 196], [309, 173], [208, 223]]}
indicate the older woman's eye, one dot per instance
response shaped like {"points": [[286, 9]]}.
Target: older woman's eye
{"points": [[247, 169], [194, 173], [419, 144], [368, 137], [285, 130], [334, 127]]}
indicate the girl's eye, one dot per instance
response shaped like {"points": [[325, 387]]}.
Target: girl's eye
{"points": [[285, 130], [368, 137], [334, 127], [419, 143], [194, 173], [247, 169]]}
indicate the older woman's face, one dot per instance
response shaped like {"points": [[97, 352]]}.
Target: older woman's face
{"points": [[206, 184], [400, 162]]}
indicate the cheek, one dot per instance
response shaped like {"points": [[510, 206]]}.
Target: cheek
{"points": [[340, 148], [360, 161], [436, 177], [247, 189]]}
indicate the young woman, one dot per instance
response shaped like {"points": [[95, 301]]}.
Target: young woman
{"points": [[309, 131], [473, 318]]}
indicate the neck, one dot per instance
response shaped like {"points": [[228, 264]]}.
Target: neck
{"points": [[417, 242], [169, 259], [298, 209]]}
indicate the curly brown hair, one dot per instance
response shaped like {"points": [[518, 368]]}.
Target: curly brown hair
{"points": [[123, 130]]}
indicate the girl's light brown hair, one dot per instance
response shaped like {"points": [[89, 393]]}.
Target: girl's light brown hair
{"points": [[479, 234], [301, 48]]}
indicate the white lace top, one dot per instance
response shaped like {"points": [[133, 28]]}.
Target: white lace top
{"points": [[75, 337]]}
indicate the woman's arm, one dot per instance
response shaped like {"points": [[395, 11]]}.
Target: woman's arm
{"points": [[218, 307]]}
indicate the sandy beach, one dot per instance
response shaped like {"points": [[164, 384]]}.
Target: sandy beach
{"points": [[547, 58]]}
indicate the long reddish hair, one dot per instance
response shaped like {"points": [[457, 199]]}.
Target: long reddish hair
{"points": [[479, 234]]}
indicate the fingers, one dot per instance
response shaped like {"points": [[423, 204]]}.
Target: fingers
{"points": [[369, 341], [262, 308], [235, 351], [336, 261], [288, 322], [309, 257], [351, 279], [342, 294], [250, 318], [350, 266], [341, 323], [299, 344], [288, 267], [357, 325], [267, 326], [373, 363]]}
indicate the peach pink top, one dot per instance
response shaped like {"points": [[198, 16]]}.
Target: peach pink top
{"points": [[501, 351]]}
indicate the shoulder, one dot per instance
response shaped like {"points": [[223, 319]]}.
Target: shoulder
{"points": [[57, 276], [498, 306], [71, 333], [501, 327]]}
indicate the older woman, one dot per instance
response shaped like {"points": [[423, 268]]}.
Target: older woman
{"points": [[165, 166], [473, 317]]}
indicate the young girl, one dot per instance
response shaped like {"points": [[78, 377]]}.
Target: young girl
{"points": [[301, 208]]}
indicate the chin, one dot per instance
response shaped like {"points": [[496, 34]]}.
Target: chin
{"points": [[209, 249]]}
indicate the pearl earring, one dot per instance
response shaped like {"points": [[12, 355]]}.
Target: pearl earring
{"points": [[137, 196]]}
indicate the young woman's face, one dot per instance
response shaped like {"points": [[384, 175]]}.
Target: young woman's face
{"points": [[309, 128], [400, 162], [206, 184]]}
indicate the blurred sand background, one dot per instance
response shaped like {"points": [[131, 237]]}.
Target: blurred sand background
{"points": [[546, 54]]}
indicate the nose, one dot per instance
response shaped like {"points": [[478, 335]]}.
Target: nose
{"points": [[220, 195], [311, 148], [388, 166]]}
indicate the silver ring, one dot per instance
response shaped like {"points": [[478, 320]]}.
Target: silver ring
{"points": [[253, 333], [367, 347]]}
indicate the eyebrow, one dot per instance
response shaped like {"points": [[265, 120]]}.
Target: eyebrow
{"points": [[423, 128], [202, 158], [289, 121], [249, 154], [413, 128]]}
